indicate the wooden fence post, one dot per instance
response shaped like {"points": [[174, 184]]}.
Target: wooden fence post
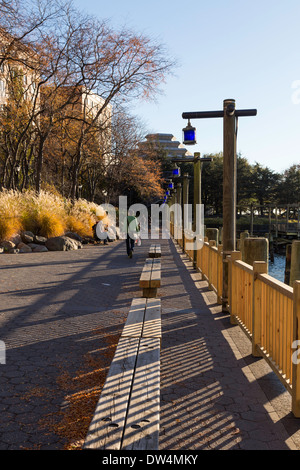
{"points": [[262, 268], [220, 274], [235, 256], [179, 220], [295, 262], [185, 201], [211, 243], [229, 190], [199, 258], [197, 200], [296, 359]]}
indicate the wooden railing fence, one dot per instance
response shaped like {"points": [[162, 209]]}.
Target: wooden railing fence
{"points": [[266, 309]]}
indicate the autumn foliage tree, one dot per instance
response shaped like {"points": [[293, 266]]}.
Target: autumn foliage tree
{"points": [[71, 51], [18, 136], [131, 172]]}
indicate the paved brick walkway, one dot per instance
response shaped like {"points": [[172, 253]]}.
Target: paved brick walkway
{"points": [[57, 309], [214, 395]]}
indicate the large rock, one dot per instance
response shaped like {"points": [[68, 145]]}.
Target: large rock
{"points": [[16, 239], [36, 248], [27, 237], [33, 245], [74, 236], [39, 249], [62, 244], [39, 240], [23, 248], [8, 245]]}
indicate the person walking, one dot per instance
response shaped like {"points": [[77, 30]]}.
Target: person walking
{"points": [[133, 230]]}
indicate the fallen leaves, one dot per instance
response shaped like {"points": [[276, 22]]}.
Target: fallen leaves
{"points": [[82, 392]]}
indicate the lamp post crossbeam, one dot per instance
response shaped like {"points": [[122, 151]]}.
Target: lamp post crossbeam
{"points": [[191, 160], [218, 114]]}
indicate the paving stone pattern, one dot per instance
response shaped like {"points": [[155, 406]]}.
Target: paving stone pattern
{"points": [[51, 306], [214, 395]]}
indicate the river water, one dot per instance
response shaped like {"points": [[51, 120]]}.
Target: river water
{"points": [[276, 269]]}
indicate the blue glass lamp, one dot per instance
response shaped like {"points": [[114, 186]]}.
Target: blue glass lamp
{"points": [[189, 134], [171, 185], [176, 172]]}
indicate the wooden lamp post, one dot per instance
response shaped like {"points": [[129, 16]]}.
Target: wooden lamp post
{"points": [[230, 118]]}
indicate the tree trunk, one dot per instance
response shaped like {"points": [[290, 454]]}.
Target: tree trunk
{"points": [[39, 164], [4, 176], [75, 172], [74, 182]]}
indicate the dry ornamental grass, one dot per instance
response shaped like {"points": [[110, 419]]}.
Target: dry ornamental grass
{"points": [[44, 214]]}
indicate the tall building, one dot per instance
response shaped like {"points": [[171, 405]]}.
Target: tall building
{"points": [[91, 104], [87, 109], [18, 71], [166, 142], [86, 103]]}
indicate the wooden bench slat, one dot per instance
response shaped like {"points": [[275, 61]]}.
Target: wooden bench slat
{"points": [[146, 273], [142, 424], [155, 251], [129, 402], [135, 319], [150, 277], [107, 426], [156, 273], [151, 270], [144, 319], [152, 321]]}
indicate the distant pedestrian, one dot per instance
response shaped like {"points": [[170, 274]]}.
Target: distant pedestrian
{"points": [[133, 230]]}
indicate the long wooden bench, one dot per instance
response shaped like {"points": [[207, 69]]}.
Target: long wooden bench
{"points": [[127, 413], [150, 278], [155, 251]]}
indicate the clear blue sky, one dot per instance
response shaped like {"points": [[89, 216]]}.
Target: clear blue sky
{"points": [[246, 50]]}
